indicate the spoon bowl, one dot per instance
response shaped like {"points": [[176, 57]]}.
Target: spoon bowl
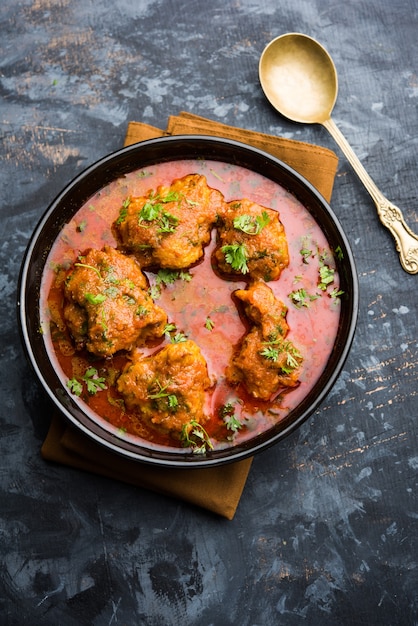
{"points": [[300, 80]]}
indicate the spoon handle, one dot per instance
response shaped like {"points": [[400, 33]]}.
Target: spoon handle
{"points": [[389, 214]]}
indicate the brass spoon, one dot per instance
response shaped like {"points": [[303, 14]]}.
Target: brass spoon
{"points": [[299, 79]]}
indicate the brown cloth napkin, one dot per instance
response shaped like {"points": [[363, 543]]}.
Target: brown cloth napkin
{"points": [[318, 165], [217, 489]]}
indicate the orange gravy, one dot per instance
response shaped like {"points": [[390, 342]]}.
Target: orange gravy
{"points": [[203, 308]]}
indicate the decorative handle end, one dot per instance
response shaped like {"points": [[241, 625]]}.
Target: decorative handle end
{"points": [[406, 240]]}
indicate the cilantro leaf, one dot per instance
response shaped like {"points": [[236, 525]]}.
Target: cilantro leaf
{"points": [[270, 353], [305, 253], [149, 212], [236, 257], [232, 423], [301, 298], [75, 386], [95, 299], [276, 347], [153, 210], [226, 410], [170, 399], [326, 277], [194, 436], [178, 338], [172, 402], [123, 211], [168, 277], [209, 324], [169, 328], [93, 381], [90, 267], [251, 225], [336, 293], [172, 196], [168, 222], [155, 292]]}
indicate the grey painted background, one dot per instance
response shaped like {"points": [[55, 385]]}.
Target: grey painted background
{"points": [[326, 531]]}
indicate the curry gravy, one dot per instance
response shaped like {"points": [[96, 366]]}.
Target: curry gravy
{"points": [[203, 307]]}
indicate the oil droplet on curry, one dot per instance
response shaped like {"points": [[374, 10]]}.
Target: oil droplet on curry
{"points": [[190, 305]]}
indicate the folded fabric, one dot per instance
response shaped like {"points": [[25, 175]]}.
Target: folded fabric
{"points": [[217, 489], [317, 164]]}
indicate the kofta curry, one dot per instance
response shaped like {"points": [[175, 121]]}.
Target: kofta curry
{"points": [[185, 316]]}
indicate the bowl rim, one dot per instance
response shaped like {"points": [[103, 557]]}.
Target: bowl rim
{"points": [[173, 148]]}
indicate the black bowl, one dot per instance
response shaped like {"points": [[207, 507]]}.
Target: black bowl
{"points": [[139, 156]]}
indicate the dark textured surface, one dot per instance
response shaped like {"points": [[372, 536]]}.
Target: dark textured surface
{"points": [[326, 531]]}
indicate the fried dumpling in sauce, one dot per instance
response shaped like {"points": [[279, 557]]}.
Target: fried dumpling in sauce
{"points": [[170, 226], [265, 362], [107, 305], [167, 389], [251, 241]]}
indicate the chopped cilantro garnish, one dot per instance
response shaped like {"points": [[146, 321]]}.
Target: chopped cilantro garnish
{"points": [[111, 291], [251, 225], [168, 277], [90, 267], [172, 196], [226, 410], [270, 353], [94, 383], [227, 413], [75, 386], [209, 324], [149, 212], [172, 402], [155, 292], [232, 423], [291, 361], [300, 298], [153, 210], [178, 338], [168, 222], [274, 348], [161, 392], [336, 293], [143, 174], [186, 276], [236, 257], [123, 212], [142, 311], [305, 253], [95, 299], [326, 277], [194, 436], [129, 299]]}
